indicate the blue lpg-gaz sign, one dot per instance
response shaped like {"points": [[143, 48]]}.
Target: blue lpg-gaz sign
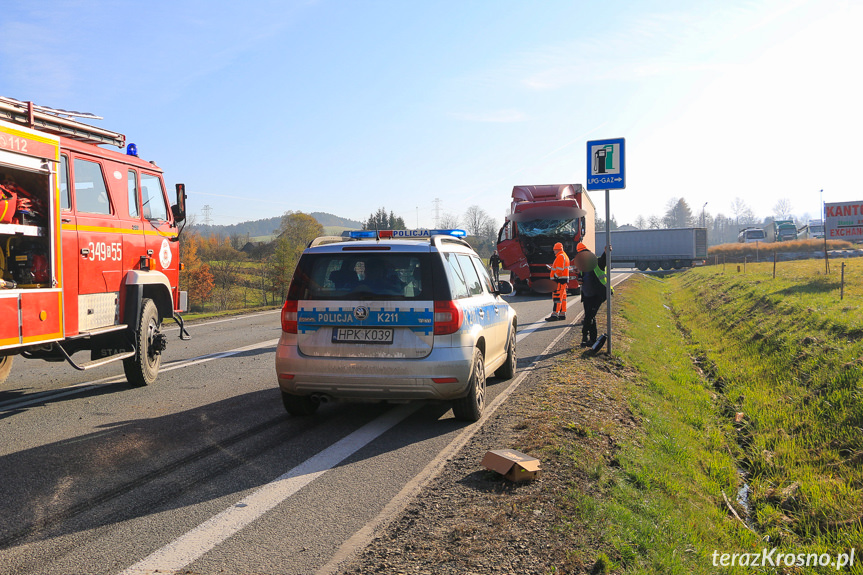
{"points": [[606, 164]]}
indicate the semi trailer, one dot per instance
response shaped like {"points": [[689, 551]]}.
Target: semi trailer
{"points": [[656, 249]]}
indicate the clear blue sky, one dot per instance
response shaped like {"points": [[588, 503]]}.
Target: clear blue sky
{"points": [[347, 106]]}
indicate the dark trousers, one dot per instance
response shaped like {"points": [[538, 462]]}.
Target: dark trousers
{"points": [[588, 327]]}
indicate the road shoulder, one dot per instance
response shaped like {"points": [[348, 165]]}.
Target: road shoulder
{"points": [[468, 519]]}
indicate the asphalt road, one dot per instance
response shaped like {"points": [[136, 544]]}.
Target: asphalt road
{"points": [[203, 470]]}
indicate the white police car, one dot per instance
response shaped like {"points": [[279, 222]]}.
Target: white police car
{"points": [[402, 315]]}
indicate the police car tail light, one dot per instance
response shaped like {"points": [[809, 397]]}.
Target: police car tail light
{"points": [[289, 316], [448, 317]]}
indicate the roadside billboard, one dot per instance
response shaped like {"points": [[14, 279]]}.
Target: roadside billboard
{"points": [[844, 221]]}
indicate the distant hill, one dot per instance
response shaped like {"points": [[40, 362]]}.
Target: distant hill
{"points": [[330, 220], [267, 227]]}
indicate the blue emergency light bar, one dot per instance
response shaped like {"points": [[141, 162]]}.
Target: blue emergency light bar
{"points": [[404, 234]]}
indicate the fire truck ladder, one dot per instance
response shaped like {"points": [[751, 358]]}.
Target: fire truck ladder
{"points": [[52, 120]]}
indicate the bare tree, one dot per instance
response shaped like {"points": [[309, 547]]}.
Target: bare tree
{"points": [[475, 219], [742, 213], [640, 222], [489, 230], [782, 209], [449, 222]]}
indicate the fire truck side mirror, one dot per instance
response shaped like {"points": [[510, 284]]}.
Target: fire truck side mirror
{"points": [[179, 209]]}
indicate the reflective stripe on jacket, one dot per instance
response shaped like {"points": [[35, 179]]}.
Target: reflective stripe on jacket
{"points": [[593, 282], [560, 268]]}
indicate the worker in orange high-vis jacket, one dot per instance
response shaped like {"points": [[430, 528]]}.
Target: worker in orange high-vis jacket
{"points": [[559, 275]]}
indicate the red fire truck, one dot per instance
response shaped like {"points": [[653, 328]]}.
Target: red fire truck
{"points": [[541, 216], [89, 252]]}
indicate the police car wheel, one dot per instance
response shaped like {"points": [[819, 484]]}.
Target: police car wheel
{"points": [[299, 404], [143, 368], [5, 367], [469, 408], [507, 370]]}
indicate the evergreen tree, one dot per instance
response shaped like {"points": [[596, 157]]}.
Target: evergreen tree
{"points": [[678, 214], [380, 220]]}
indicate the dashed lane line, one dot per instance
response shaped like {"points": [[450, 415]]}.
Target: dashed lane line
{"points": [[181, 552], [38, 398]]}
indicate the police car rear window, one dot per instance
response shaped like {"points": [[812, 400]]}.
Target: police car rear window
{"points": [[373, 276]]}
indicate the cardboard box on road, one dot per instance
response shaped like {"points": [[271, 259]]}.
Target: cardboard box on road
{"points": [[513, 465]]}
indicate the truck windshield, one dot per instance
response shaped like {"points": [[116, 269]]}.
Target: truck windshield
{"points": [[536, 228]]}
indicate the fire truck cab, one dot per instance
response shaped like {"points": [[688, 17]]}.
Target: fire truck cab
{"points": [[89, 252]]}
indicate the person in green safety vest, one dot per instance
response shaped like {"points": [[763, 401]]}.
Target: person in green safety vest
{"points": [[593, 279]]}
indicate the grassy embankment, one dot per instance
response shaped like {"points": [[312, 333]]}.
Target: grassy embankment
{"points": [[732, 379]]}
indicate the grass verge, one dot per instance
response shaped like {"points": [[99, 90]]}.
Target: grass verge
{"points": [[719, 381]]}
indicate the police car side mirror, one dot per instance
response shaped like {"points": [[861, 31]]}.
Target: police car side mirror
{"points": [[179, 209], [504, 287]]}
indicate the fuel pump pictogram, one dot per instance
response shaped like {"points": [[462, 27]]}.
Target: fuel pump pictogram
{"points": [[603, 159]]}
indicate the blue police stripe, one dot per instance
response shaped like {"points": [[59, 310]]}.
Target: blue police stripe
{"points": [[472, 317], [415, 319]]}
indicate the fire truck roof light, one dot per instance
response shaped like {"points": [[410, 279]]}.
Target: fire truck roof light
{"points": [[405, 234], [132, 150]]}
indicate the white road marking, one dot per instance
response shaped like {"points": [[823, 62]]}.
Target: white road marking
{"points": [[181, 552], [527, 329], [362, 538], [88, 385], [397, 504], [215, 321], [217, 355], [194, 544]]}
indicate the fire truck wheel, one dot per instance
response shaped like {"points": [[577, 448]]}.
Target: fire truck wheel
{"points": [[143, 368], [5, 367]]}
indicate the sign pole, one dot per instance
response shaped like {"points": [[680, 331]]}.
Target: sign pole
{"points": [[608, 268], [606, 170], [824, 225]]}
